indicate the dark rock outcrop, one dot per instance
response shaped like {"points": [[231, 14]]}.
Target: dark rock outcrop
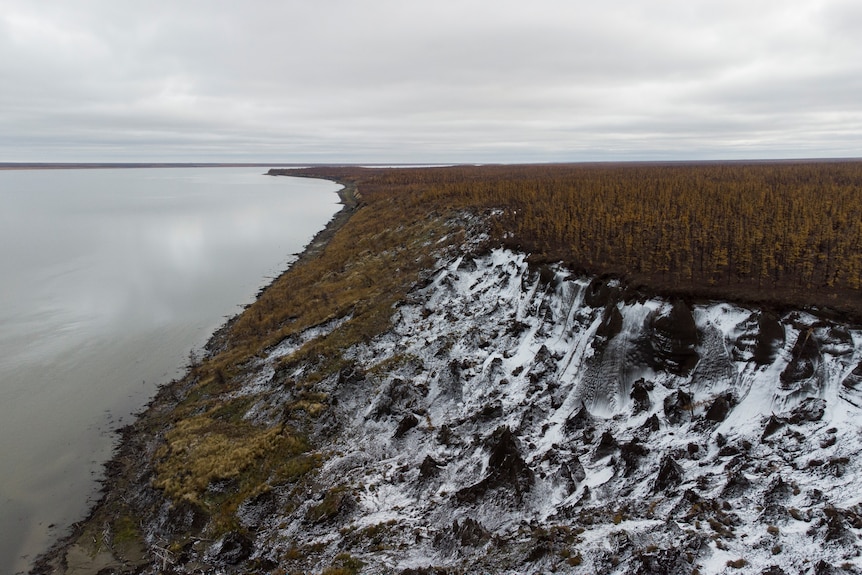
{"points": [[770, 338], [631, 454], [640, 396], [607, 445], [255, 510], [429, 468], [470, 532], [811, 409], [778, 491], [835, 340], [573, 472], [851, 386], [651, 424], [670, 474], [581, 419], [506, 470], [185, 516], [678, 407], [467, 264], [407, 423], [395, 397], [672, 341], [663, 561], [806, 358], [853, 381], [736, 485], [773, 424], [600, 293], [612, 323], [719, 408], [233, 548], [837, 529]]}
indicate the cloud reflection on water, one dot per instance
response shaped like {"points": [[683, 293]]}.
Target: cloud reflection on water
{"points": [[110, 278]]}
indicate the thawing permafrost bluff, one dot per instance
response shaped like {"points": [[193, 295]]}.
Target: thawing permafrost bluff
{"points": [[520, 420]]}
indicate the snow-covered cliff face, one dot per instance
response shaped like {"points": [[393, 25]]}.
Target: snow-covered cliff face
{"points": [[517, 421]]}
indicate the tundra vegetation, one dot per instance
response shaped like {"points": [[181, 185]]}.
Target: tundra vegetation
{"points": [[775, 234]]}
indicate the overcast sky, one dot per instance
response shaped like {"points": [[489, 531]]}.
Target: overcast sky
{"points": [[429, 81]]}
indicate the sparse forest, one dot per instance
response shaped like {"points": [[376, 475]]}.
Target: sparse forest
{"points": [[782, 232]]}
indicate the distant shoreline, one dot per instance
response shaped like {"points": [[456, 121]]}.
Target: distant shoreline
{"points": [[110, 165], [131, 165], [294, 165]]}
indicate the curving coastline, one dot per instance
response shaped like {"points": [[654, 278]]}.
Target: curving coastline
{"points": [[69, 555]]}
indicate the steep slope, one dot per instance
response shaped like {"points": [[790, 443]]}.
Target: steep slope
{"points": [[514, 420], [425, 402], [511, 422]]}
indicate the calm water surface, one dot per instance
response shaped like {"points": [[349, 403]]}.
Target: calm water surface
{"points": [[108, 279]]}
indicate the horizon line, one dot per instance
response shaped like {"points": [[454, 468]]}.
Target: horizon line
{"points": [[97, 165]]}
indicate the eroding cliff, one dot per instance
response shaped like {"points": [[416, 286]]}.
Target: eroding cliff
{"points": [[514, 420]]}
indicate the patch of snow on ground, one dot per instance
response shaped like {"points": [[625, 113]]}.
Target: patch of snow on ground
{"points": [[487, 345]]}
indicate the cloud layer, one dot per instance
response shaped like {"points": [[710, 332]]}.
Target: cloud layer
{"points": [[443, 81]]}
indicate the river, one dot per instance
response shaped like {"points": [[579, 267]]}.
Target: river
{"points": [[109, 279]]}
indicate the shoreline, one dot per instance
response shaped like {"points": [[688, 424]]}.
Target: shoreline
{"points": [[132, 165], [349, 200], [65, 555]]}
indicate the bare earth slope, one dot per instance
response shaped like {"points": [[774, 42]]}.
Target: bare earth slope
{"points": [[418, 399]]}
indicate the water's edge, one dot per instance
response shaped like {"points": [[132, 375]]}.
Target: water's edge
{"points": [[125, 435], [347, 198]]}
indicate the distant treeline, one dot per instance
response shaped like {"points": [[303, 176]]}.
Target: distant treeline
{"points": [[784, 232]]}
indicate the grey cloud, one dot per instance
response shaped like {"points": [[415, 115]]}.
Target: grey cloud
{"points": [[386, 80]]}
